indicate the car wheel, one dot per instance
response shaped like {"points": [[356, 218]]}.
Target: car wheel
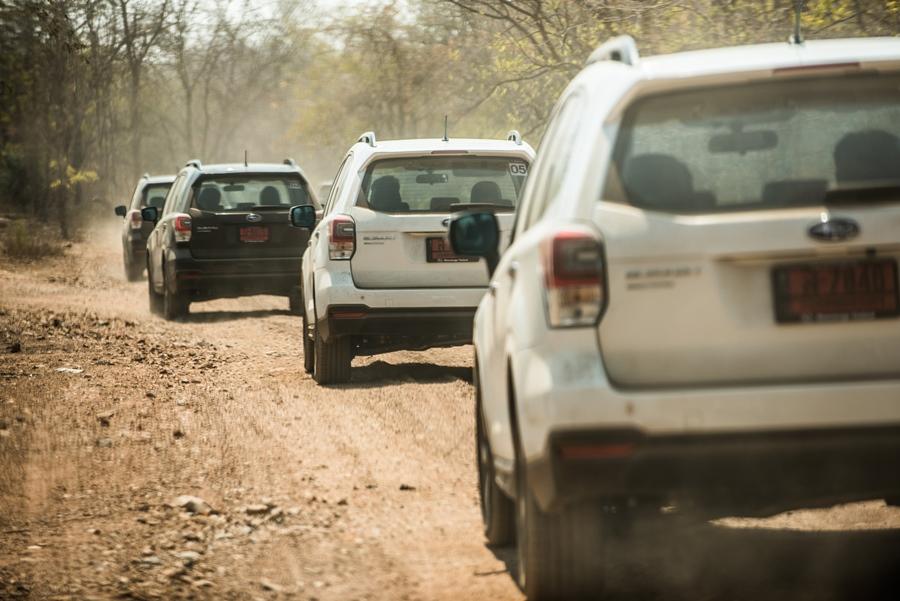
{"points": [[331, 360], [498, 512], [175, 305], [133, 270], [563, 554], [154, 300], [295, 301], [309, 349]]}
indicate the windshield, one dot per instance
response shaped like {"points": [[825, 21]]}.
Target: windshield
{"points": [[760, 146], [244, 193], [435, 184], [154, 195]]}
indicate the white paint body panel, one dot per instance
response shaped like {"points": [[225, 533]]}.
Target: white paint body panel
{"points": [[743, 373]]}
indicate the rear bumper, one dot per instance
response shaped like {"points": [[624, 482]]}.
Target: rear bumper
{"points": [[216, 278], [745, 474], [445, 325]]}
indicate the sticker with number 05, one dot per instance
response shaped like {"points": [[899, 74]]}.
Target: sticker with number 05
{"points": [[518, 168]]}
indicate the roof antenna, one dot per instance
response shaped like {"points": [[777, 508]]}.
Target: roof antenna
{"points": [[245, 157], [797, 36], [445, 138]]}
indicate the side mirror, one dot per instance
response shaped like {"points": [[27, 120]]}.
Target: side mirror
{"points": [[303, 216], [150, 214], [121, 210], [476, 235]]}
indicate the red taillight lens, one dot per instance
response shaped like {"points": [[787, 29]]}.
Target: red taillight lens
{"points": [[341, 238], [134, 219], [182, 227], [574, 279]]}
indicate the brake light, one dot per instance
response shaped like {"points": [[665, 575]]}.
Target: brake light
{"points": [[182, 227], [134, 219], [574, 279], [342, 238]]}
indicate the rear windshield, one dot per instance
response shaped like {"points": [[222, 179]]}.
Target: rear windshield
{"points": [[435, 184], [235, 193], [154, 195], [761, 146]]}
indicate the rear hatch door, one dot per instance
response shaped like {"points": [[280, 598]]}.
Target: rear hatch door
{"points": [[247, 217], [404, 209]]}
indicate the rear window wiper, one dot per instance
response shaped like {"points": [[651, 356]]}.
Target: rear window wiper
{"points": [[864, 191]]}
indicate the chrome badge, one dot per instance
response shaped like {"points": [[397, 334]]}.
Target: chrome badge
{"points": [[833, 229], [254, 218]]}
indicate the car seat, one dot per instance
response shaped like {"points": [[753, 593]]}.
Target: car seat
{"points": [[486, 192], [386, 195], [660, 181], [269, 197], [867, 156], [209, 199]]}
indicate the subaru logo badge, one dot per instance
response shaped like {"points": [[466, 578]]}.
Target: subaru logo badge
{"points": [[253, 218], [835, 229]]}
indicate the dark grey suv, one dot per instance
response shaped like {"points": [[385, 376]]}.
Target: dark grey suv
{"points": [[150, 191], [225, 232]]}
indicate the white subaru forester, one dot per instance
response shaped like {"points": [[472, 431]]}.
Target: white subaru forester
{"points": [[379, 275], [698, 310]]}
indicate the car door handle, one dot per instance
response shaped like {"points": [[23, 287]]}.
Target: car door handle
{"points": [[513, 269], [492, 288]]}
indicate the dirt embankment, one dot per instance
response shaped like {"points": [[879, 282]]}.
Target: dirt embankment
{"points": [[153, 460]]}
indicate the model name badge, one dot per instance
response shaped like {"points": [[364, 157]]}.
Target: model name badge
{"points": [[658, 277], [376, 240], [201, 229]]}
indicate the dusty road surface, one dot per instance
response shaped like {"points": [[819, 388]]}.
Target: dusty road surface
{"points": [[151, 460]]}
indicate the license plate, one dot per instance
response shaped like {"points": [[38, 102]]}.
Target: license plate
{"points": [[839, 291], [254, 233], [437, 250]]}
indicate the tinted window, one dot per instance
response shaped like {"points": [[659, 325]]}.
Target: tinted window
{"points": [[760, 146], [434, 184], [243, 192], [154, 195]]}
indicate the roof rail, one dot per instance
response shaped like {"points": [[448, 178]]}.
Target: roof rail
{"points": [[620, 49], [514, 136], [194, 163], [368, 138], [290, 161]]}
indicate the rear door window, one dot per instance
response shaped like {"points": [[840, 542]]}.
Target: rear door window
{"points": [[799, 142], [154, 195], [436, 184]]}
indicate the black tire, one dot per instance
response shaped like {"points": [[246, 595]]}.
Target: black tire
{"points": [[498, 512], [133, 271], [579, 551], [295, 301], [331, 360], [309, 349], [175, 306], [154, 300]]}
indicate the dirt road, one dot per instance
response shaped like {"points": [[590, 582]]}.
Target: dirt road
{"points": [[109, 417]]}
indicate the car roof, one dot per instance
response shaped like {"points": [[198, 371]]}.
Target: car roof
{"points": [[230, 168], [429, 145], [757, 57], [751, 58], [157, 179]]}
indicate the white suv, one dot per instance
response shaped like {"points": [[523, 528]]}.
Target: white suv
{"points": [[378, 275], [699, 307]]}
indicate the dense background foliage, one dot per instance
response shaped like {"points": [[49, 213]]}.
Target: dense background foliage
{"points": [[95, 92]]}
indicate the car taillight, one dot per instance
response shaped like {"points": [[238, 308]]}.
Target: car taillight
{"points": [[342, 238], [135, 219], [574, 279], [182, 227]]}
